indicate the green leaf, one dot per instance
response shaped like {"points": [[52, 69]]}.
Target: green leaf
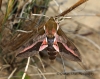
{"points": [[21, 74]]}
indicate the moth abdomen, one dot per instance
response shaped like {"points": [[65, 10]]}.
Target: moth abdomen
{"points": [[52, 55]]}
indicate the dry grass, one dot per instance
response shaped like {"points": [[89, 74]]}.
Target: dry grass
{"points": [[84, 31]]}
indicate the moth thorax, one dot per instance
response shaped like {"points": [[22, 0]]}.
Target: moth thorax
{"points": [[50, 35]]}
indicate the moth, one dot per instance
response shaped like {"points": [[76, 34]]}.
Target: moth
{"points": [[52, 39]]}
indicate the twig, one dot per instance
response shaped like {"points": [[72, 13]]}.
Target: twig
{"points": [[24, 8], [60, 3], [26, 68], [4, 58], [12, 73], [90, 41], [35, 65], [40, 72], [71, 66], [51, 73], [51, 66], [38, 56], [58, 6], [4, 66], [79, 15], [87, 39], [23, 31], [72, 7], [78, 72], [70, 72], [63, 63]]}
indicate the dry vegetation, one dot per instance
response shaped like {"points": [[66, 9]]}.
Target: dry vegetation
{"points": [[18, 26]]}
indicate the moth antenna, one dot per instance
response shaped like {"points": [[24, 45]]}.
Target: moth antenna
{"points": [[40, 15], [58, 7], [60, 11]]}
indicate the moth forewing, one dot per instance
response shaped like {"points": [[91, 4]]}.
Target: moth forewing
{"points": [[33, 48], [67, 48]]}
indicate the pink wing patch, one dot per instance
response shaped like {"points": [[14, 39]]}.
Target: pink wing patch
{"points": [[56, 48], [43, 45], [27, 48], [55, 45]]}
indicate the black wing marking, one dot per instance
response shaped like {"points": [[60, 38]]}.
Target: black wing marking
{"points": [[67, 48], [65, 53]]}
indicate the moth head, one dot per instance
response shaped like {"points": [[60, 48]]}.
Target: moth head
{"points": [[51, 27]]}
